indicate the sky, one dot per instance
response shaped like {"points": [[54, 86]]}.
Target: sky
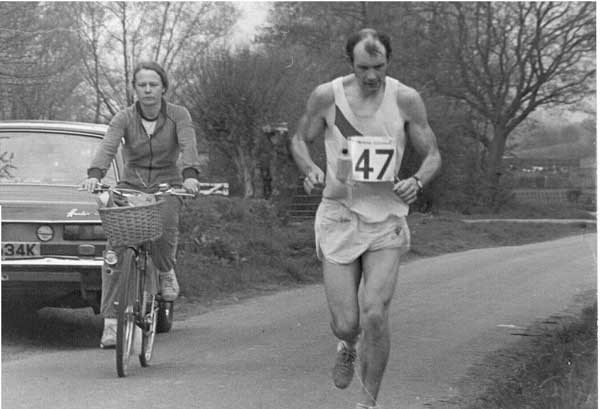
{"points": [[253, 14]]}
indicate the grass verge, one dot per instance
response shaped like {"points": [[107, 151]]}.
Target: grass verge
{"points": [[555, 367]]}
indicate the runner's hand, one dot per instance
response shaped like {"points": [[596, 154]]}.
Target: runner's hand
{"points": [[407, 190], [90, 184], [314, 177], [191, 185]]}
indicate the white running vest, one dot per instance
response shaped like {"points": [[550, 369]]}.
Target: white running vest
{"points": [[372, 201]]}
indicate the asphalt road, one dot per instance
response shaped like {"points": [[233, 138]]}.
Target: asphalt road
{"points": [[276, 351]]}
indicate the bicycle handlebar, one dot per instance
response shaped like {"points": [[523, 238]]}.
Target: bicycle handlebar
{"points": [[206, 189], [221, 189]]}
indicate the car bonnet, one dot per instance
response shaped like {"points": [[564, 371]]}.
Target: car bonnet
{"points": [[46, 203]]}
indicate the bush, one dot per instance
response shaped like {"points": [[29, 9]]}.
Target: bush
{"points": [[477, 195], [230, 244]]}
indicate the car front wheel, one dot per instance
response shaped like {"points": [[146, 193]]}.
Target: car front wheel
{"points": [[165, 317]]}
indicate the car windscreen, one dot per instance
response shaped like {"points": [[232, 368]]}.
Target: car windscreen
{"points": [[47, 158]]}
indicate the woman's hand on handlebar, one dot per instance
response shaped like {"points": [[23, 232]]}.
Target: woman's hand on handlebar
{"points": [[191, 185], [90, 184]]}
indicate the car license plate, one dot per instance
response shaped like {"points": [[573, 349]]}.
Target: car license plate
{"points": [[20, 249]]}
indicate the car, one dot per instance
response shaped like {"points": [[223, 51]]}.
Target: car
{"points": [[52, 237]]}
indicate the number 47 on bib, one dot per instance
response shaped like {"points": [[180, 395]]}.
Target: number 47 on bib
{"points": [[373, 158]]}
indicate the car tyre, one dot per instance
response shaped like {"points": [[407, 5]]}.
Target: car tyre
{"points": [[165, 317]]}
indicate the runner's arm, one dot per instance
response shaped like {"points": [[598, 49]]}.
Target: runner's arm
{"points": [[421, 135], [311, 125]]}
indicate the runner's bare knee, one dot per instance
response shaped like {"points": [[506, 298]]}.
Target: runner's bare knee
{"points": [[346, 328], [374, 317]]}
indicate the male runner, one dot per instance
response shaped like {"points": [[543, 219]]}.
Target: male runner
{"points": [[360, 226]]}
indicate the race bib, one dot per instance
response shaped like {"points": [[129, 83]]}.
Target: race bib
{"points": [[373, 158]]}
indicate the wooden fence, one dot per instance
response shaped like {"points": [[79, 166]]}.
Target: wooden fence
{"points": [[554, 196]]}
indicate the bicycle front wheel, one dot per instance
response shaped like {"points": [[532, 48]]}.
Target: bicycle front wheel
{"points": [[126, 310], [150, 314]]}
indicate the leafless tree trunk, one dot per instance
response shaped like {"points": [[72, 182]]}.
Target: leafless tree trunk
{"points": [[124, 40]]}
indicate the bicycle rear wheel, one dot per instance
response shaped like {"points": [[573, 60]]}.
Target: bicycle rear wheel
{"points": [[126, 310]]}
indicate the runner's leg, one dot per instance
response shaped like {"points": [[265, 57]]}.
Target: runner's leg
{"points": [[341, 287], [380, 276]]}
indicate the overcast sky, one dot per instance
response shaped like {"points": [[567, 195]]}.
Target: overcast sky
{"points": [[253, 14]]}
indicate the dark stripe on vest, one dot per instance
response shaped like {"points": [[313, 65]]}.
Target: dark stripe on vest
{"points": [[343, 125]]}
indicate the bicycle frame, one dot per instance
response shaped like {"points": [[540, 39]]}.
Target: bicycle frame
{"points": [[146, 318], [148, 272]]}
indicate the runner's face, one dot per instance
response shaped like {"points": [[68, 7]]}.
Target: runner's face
{"points": [[370, 68], [148, 87]]}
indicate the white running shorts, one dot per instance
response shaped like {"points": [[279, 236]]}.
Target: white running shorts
{"points": [[341, 236]]}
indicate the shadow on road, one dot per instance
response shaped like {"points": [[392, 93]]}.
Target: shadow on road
{"points": [[25, 330]]}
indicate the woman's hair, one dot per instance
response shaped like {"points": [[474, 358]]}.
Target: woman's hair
{"points": [[153, 66], [357, 37]]}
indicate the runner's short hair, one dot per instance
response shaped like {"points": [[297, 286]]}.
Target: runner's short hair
{"points": [[153, 66], [357, 37]]}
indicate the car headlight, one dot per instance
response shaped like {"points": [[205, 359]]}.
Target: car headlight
{"points": [[45, 233], [110, 257]]}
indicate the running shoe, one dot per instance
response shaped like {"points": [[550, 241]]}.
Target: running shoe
{"points": [[343, 370], [169, 287]]}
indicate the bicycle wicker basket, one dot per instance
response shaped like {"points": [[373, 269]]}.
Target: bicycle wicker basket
{"points": [[130, 226]]}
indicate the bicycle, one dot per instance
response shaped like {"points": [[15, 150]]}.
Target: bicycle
{"points": [[138, 303]]}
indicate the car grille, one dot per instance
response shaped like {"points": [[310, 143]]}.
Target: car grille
{"points": [[83, 232], [67, 250]]}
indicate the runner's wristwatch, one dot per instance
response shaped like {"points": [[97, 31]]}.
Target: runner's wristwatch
{"points": [[419, 183]]}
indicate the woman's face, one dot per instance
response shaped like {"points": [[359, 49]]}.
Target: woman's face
{"points": [[148, 87]]}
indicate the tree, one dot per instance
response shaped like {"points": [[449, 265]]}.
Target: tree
{"points": [[321, 29], [232, 96], [505, 59], [89, 17], [38, 61], [119, 34]]}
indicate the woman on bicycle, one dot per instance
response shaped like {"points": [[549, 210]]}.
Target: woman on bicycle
{"points": [[153, 132]]}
